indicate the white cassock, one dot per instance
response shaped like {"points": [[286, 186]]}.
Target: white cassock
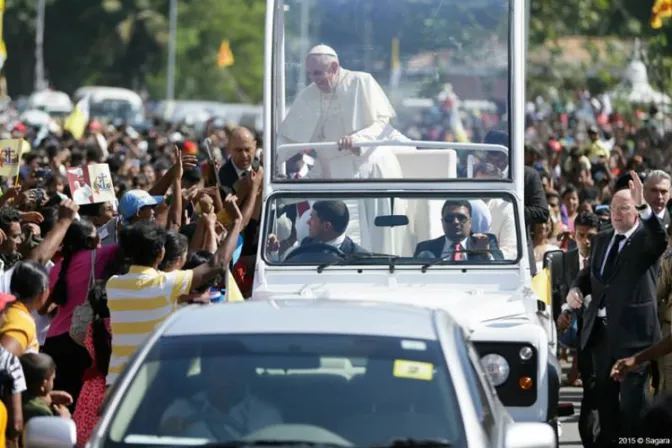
{"points": [[358, 107]]}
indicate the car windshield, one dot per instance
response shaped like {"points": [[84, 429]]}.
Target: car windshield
{"points": [[383, 76], [320, 388], [360, 229]]}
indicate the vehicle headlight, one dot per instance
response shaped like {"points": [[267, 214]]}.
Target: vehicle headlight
{"points": [[496, 367]]}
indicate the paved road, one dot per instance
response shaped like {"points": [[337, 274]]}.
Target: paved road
{"points": [[570, 430]]}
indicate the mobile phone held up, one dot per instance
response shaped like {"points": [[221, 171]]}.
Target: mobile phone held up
{"points": [[41, 173], [255, 167]]}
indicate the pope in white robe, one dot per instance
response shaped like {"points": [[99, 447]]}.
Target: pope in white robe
{"points": [[348, 107]]}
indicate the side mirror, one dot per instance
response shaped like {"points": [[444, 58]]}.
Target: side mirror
{"points": [[554, 260], [50, 432], [530, 435]]}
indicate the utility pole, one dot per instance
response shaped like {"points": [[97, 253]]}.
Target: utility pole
{"points": [[40, 82], [170, 84]]}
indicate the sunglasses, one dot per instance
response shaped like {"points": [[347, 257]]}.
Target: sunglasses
{"points": [[451, 217]]}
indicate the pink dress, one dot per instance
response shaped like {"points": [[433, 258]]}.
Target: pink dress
{"points": [[92, 394]]}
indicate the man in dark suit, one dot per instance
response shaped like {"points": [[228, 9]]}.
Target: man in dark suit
{"points": [[459, 241], [327, 224], [657, 194], [586, 226], [242, 149], [622, 317]]}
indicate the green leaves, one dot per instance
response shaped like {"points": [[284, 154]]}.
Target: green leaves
{"points": [[125, 43]]}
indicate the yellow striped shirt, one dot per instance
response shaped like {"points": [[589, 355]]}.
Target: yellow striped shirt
{"points": [[139, 302]]}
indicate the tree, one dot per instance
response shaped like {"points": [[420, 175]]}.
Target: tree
{"points": [[124, 43], [202, 27]]}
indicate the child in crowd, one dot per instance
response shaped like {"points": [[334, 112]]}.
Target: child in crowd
{"points": [[39, 370]]}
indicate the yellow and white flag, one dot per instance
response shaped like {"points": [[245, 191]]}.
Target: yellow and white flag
{"points": [[10, 155], [78, 119], [225, 57]]}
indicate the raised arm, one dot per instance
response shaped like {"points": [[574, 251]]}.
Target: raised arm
{"points": [[205, 273], [175, 211], [67, 211]]}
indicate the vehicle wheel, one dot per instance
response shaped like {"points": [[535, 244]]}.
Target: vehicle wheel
{"points": [[556, 427]]}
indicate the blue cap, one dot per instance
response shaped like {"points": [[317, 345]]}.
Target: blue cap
{"points": [[132, 201]]}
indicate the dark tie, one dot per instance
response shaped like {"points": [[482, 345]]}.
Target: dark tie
{"points": [[586, 263], [610, 264]]}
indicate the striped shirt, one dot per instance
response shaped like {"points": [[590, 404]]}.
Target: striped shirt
{"points": [[139, 302], [11, 372]]}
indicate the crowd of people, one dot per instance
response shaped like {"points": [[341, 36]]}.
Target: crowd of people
{"points": [[82, 285], [608, 191]]}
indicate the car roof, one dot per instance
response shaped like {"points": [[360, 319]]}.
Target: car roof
{"points": [[310, 316]]}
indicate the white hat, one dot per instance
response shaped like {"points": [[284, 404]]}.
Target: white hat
{"points": [[322, 50]]}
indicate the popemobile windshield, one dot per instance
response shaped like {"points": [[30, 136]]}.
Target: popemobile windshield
{"points": [[394, 171]]}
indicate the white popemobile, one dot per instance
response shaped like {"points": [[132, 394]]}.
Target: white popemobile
{"points": [[353, 209]]}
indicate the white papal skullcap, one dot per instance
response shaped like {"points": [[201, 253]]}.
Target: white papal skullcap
{"points": [[322, 50]]}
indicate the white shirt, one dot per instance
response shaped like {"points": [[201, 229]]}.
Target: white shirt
{"points": [[239, 171], [627, 235], [503, 226], [584, 261], [336, 242], [448, 248]]}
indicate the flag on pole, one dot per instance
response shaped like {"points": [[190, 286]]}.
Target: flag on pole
{"points": [[3, 48], [395, 66], [662, 9], [78, 119], [225, 57], [10, 155]]}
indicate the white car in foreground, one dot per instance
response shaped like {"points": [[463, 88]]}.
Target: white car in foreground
{"points": [[303, 372]]}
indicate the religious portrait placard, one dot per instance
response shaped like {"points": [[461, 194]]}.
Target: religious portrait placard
{"points": [[91, 184], [10, 155]]}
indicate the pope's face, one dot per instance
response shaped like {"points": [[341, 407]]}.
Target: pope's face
{"points": [[323, 75]]}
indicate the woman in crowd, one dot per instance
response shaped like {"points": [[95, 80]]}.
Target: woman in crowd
{"points": [[70, 279]]}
